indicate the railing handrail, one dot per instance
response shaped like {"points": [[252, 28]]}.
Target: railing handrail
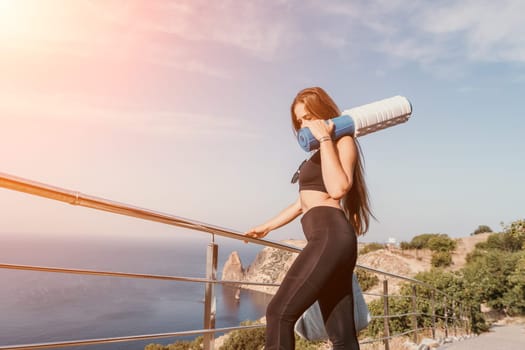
{"points": [[77, 198]]}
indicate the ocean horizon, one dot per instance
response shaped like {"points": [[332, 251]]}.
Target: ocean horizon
{"points": [[39, 307]]}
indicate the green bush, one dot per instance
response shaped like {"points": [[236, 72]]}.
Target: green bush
{"points": [[441, 259], [451, 283], [405, 245], [481, 229], [245, 339], [370, 247], [514, 299], [366, 279], [253, 339], [441, 243], [432, 241], [421, 241], [195, 344], [511, 240], [495, 270], [496, 279]]}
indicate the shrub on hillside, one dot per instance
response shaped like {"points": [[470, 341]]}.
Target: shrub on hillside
{"points": [[370, 247], [511, 240], [421, 241], [514, 299], [447, 282], [245, 339], [495, 270], [405, 245], [432, 241], [481, 229], [441, 243], [496, 278], [253, 339], [366, 279], [195, 344], [441, 259]]}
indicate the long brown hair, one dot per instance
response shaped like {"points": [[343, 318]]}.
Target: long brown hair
{"points": [[356, 203]]}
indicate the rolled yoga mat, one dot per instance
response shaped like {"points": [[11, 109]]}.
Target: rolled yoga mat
{"points": [[362, 120]]}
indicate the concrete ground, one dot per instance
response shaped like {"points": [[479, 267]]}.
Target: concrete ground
{"points": [[508, 337]]}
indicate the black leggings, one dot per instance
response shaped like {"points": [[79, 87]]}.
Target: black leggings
{"points": [[323, 272]]}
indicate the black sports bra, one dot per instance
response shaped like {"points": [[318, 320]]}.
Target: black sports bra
{"points": [[310, 175]]}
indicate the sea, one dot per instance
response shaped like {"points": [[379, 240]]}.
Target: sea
{"points": [[40, 307]]}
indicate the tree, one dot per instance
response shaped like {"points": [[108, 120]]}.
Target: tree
{"points": [[421, 241]]}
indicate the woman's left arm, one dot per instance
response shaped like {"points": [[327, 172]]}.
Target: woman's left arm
{"points": [[338, 159]]}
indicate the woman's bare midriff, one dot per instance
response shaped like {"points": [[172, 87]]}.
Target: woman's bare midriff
{"points": [[310, 199]]}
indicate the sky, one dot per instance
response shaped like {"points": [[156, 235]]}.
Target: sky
{"points": [[183, 107]]}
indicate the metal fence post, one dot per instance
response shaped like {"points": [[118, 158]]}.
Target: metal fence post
{"points": [[446, 317], [414, 312], [461, 318], [433, 305], [209, 294], [467, 319], [386, 330], [454, 318]]}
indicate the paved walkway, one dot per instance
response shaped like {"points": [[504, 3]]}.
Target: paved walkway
{"points": [[511, 337]]}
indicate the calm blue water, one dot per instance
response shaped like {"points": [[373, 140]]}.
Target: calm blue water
{"points": [[43, 307]]}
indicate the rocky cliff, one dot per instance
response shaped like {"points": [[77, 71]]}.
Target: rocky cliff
{"points": [[233, 269], [270, 266]]}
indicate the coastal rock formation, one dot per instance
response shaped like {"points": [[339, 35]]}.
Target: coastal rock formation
{"points": [[233, 269], [270, 266]]}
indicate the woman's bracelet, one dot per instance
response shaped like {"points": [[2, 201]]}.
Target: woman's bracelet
{"points": [[325, 138]]}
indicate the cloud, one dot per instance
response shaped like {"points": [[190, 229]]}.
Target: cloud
{"points": [[260, 28], [332, 41], [99, 30], [196, 36], [490, 30], [69, 109], [433, 33]]}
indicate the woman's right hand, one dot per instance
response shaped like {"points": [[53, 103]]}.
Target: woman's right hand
{"points": [[257, 232]]}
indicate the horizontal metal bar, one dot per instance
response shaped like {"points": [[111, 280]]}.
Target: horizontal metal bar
{"points": [[384, 273], [157, 277], [129, 275], [397, 315], [436, 315], [124, 339]]}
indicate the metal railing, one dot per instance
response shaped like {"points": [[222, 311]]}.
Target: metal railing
{"points": [[450, 316]]}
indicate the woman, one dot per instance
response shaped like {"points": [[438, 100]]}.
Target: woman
{"points": [[334, 200]]}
